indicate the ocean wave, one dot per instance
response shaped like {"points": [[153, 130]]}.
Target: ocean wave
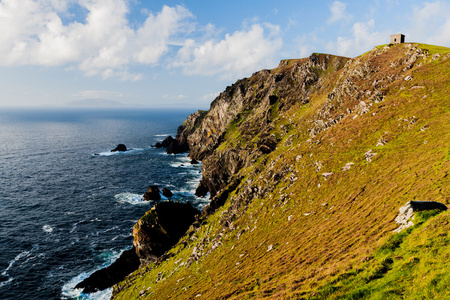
{"points": [[69, 291]]}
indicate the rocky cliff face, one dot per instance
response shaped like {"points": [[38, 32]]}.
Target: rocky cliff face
{"points": [[241, 118], [307, 165]]}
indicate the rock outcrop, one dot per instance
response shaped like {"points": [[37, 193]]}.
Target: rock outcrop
{"points": [[160, 228], [406, 212]]}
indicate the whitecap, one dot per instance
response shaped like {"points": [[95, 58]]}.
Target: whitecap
{"points": [[162, 135], [130, 198], [47, 228], [2, 284], [69, 291], [23, 254]]}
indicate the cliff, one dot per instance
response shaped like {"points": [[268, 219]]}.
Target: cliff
{"points": [[307, 166]]}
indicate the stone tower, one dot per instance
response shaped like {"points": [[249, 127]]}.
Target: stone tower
{"points": [[397, 38]]}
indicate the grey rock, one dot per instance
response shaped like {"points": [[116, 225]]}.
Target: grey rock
{"points": [[369, 155], [406, 212]]}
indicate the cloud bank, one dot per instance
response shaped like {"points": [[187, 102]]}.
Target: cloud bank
{"points": [[237, 54], [104, 43]]}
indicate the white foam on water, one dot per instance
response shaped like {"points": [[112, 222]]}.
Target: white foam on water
{"points": [[130, 198], [2, 284], [110, 153], [69, 291], [21, 255], [47, 228], [162, 135]]}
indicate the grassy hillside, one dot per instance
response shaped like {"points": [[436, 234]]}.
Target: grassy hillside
{"points": [[314, 218]]}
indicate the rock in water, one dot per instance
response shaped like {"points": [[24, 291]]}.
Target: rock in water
{"points": [[194, 162], [167, 141], [175, 147], [152, 193], [120, 148], [167, 193], [107, 277]]}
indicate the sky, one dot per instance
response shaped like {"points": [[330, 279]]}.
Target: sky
{"points": [[182, 54]]}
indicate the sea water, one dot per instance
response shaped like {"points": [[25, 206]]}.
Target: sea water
{"points": [[68, 204]]}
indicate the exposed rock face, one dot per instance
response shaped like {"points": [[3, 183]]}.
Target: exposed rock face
{"points": [[406, 212], [120, 148], [247, 107], [107, 277], [152, 193], [161, 228]]}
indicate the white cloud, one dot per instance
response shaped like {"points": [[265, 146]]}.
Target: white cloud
{"points": [[104, 44], [364, 37], [431, 23], [236, 55], [338, 12]]}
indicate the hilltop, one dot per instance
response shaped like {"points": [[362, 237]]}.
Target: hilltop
{"points": [[307, 166]]}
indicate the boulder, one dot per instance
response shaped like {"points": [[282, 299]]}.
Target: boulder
{"points": [[120, 148], [194, 162], [158, 145], [152, 193], [167, 193], [406, 212]]}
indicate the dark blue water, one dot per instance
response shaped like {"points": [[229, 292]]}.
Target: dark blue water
{"points": [[65, 212]]}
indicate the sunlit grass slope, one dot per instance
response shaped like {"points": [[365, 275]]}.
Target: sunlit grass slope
{"points": [[323, 231]]}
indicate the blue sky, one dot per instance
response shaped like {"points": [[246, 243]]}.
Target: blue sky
{"points": [[181, 54]]}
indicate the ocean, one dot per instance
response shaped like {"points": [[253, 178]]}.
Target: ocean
{"points": [[67, 204]]}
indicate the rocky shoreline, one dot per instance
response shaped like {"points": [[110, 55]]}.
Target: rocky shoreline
{"points": [[154, 233]]}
